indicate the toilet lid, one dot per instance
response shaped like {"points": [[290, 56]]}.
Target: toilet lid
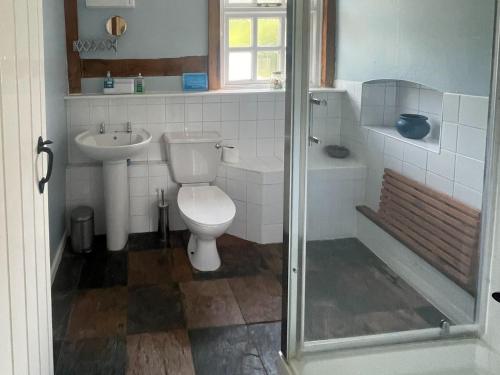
{"points": [[207, 205]]}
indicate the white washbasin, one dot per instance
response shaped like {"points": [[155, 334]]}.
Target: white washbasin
{"points": [[113, 146], [113, 149]]}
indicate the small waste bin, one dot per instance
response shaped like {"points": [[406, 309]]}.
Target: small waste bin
{"points": [[82, 229]]}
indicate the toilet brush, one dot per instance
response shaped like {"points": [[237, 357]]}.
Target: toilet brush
{"points": [[163, 224]]}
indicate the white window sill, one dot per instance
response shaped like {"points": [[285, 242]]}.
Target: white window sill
{"points": [[197, 93], [327, 89], [429, 144]]}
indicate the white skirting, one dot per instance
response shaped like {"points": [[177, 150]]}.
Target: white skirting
{"points": [[57, 258]]}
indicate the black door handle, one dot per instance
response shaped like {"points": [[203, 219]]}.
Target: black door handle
{"points": [[42, 148], [496, 296]]}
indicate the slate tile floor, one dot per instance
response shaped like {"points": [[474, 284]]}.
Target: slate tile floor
{"points": [[350, 292], [146, 311]]}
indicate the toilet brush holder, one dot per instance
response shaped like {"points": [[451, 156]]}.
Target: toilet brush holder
{"points": [[163, 225]]}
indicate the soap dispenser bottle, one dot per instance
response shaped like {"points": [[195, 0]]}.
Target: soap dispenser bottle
{"points": [[139, 84], [109, 82]]}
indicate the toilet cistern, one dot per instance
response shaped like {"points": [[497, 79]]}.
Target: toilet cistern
{"points": [[206, 210]]}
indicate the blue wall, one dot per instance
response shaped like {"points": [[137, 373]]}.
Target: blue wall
{"points": [[156, 28], [55, 90], [444, 44]]}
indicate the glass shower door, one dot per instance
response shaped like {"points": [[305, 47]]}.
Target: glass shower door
{"points": [[385, 229]]}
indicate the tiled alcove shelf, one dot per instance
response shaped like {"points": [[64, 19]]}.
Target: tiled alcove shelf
{"points": [[428, 143], [383, 101]]}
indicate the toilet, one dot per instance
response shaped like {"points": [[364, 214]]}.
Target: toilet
{"points": [[207, 211]]}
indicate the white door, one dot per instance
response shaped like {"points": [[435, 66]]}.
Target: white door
{"points": [[25, 314]]}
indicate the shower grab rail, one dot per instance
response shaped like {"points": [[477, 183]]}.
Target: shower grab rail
{"points": [[314, 101]]}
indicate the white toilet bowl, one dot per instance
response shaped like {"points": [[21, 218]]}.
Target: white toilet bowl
{"points": [[207, 212]]}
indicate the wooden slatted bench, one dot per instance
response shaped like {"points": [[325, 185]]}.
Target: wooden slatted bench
{"points": [[438, 228]]}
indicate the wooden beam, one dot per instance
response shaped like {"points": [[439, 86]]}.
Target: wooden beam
{"points": [[94, 68], [328, 43], [74, 61], [214, 37]]}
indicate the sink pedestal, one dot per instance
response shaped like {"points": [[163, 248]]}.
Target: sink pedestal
{"points": [[113, 149], [116, 196]]}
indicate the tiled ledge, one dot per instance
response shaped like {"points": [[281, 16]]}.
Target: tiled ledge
{"points": [[267, 164], [198, 93], [429, 143], [262, 165]]}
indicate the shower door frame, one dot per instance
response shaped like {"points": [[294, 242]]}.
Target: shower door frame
{"points": [[295, 208], [297, 113]]}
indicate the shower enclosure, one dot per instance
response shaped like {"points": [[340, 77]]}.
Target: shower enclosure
{"points": [[387, 244]]}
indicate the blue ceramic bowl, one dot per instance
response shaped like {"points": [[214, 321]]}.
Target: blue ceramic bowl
{"points": [[413, 126]]}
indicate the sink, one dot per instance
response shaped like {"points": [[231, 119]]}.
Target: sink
{"points": [[113, 146], [113, 149]]}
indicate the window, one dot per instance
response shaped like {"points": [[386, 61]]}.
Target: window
{"points": [[254, 41]]}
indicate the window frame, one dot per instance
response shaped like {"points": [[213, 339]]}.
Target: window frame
{"points": [[254, 13], [323, 20], [316, 26]]}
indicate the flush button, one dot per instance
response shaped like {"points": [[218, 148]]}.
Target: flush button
{"points": [[496, 296]]}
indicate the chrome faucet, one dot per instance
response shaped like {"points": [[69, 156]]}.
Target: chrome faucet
{"points": [[127, 130], [102, 128]]}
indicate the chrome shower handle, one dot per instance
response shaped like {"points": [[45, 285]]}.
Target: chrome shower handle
{"points": [[317, 101], [314, 101], [315, 140]]}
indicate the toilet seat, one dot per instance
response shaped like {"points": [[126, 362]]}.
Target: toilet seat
{"points": [[206, 205]]}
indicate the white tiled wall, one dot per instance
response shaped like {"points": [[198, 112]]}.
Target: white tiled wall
{"points": [[145, 179], [327, 118], [253, 122], [332, 201], [456, 169], [258, 196]]}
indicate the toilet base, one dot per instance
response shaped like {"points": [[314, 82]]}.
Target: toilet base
{"points": [[203, 254]]}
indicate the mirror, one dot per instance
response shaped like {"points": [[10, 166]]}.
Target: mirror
{"points": [[116, 26]]}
